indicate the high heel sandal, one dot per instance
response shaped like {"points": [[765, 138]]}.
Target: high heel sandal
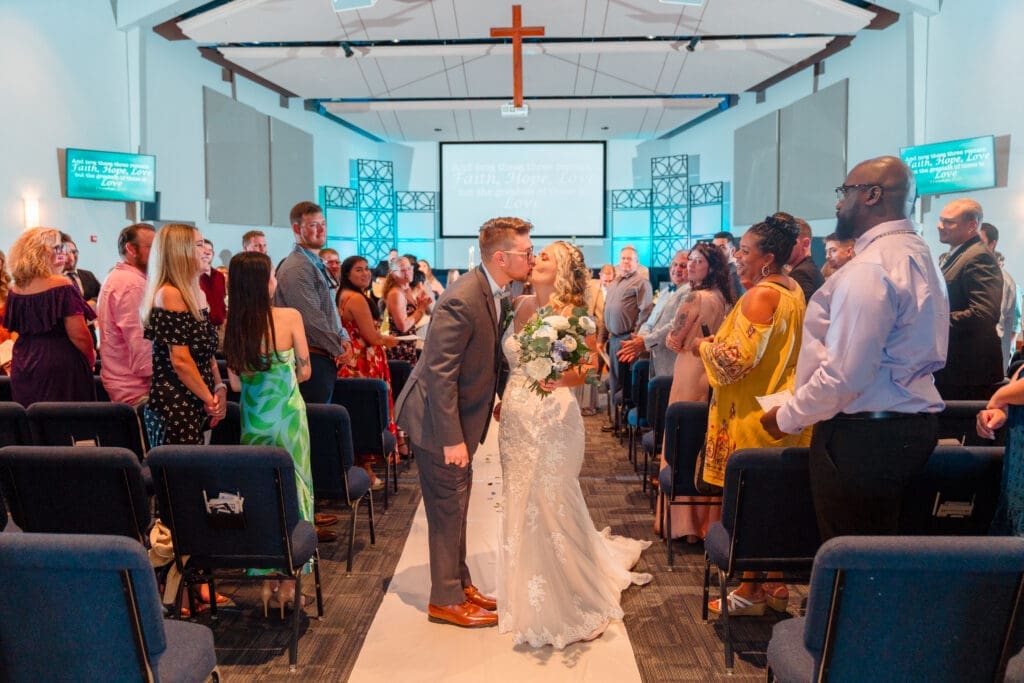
{"points": [[270, 594], [777, 598], [286, 596], [739, 606]]}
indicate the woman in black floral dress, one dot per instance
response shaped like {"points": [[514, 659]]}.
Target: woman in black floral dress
{"points": [[187, 395]]}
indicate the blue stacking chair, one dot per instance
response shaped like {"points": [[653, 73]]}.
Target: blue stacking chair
{"points": [[334, 476], [366, 401], [266, 533], [86, 608], [685, 426], [98, 423], [658, 390], [228, 431], [400, 370], [768, 524], [76, 490], [958, 420], [900, 608], [14, 429], [622, 396], [636, 418], [955, 495]]}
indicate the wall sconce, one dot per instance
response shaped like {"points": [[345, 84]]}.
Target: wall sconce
{"points": [[31, 211]]}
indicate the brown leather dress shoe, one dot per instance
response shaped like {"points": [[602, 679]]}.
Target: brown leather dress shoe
{"points": [[479, 599], [324, 519], [466, 615], [326, 535]]}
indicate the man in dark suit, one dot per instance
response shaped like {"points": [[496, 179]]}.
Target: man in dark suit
{"points": [[974, 364], [803, 269], [446, 406]]}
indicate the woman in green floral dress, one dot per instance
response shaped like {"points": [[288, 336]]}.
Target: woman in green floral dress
{"points": [[268, 356]]}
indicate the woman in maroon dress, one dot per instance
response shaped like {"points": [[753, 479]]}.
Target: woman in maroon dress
{"points": [[53, 357], [361, 321]]}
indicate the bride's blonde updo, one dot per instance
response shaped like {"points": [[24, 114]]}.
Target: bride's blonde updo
{"points": [[571, 277]]}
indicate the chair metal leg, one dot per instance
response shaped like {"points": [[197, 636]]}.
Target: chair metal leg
{"points": [[666, 509], [707, 589], [293, 648], [723, 604], [319, 591], [351, 535], [213, 599], [373, 532]]}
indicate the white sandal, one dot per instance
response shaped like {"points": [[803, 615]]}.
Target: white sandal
{"points": [[739, 606]]}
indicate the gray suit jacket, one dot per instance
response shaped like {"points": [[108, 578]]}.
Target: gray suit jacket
{"points": [[449, 396]]}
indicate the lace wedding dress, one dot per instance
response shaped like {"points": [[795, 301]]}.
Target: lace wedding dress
{"points": [[559, 579]]}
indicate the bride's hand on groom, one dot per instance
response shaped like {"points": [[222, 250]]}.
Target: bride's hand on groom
{"points": [[457, 455], [497, 412]]}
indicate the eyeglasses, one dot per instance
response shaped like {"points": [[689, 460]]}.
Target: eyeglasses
{"points": [[528, 253], [842, 190], [315, 224]]}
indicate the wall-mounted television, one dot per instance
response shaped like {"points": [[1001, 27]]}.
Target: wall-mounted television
{"points": [[111, 176], [558, 186], [952, 166]]}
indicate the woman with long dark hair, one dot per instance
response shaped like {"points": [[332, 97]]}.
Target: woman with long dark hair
{"points": [[362, 322], [268, 357]]}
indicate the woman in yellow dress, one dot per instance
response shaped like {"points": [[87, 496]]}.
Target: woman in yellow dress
{"points": [[754, 354]]}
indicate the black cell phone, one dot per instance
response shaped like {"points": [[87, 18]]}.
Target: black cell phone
{"points": [[704, 330]]}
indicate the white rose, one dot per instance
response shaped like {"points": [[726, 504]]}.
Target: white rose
{"points": [[547, 332], [559, 322], [538, 369], [569, 343], [588, 324], [561, 366], [514, 346]]}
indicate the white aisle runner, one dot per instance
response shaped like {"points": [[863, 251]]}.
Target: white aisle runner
{"points": [[403, 645]]}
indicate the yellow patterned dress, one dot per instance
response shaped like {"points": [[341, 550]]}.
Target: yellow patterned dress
{"points": [[744, 361]]}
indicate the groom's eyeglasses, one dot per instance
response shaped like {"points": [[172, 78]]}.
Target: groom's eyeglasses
{"points": [[528, 253]]}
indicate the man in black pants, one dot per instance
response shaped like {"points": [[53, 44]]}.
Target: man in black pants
{"points": [[873, 334]]}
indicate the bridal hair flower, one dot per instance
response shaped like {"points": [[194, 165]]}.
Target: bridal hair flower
{"points": [[551, 344]]}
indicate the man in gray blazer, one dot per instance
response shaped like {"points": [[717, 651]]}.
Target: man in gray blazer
{"points": [[446, 406]]}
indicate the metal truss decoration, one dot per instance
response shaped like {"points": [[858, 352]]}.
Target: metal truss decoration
{"points": [[340, 197], [629, 200], [670, 201], [418, 202], [376, 215]]}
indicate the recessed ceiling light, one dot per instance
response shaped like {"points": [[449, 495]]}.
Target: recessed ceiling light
{"points": [[604, 127], [437, 130], [344, 5], [650, 37], [395, 40], [520, 128]]}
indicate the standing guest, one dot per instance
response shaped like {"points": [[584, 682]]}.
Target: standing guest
{"points": [[726, 243], [267, 357], [802, 267], [53, 356], [1009, 308], [651, 336], [874, 333], [186, 395], [332, 262], [86, 282], [6, 338], [974, 361], [704, 306], [446, 405], [605, 277], [369, 357], [303, 284], [1006, 407], [837, 252], [754, 353], [433, 284], [627, 298], [404, 308], [127, 368], [254, 240], [214, 286]]}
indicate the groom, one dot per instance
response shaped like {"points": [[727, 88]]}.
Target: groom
{"points": [[446, 406]]}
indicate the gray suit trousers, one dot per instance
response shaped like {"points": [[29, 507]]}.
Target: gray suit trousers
{"points": [[446, 490]]}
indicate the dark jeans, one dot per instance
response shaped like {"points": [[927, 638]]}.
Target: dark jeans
{"points": [[858, 468], [320, 386]]}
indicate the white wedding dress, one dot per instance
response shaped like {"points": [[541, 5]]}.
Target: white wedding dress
{"points": [[559, 579]]}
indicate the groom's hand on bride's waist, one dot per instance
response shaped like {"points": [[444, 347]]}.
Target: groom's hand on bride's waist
{"points": [[457, 455], [497, 412]]}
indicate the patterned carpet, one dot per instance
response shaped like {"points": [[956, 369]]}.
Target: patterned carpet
{"points": [[663, 618]]}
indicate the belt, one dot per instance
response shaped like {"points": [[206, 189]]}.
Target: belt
{"points": [[877, 415], [320, 352]]}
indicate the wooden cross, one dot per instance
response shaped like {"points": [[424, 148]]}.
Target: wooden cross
{"points": [[516, 33]]}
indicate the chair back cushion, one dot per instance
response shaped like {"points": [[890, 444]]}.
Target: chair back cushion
{"points": [[768, 510], [958, 421], [956, 494], [686, 424], [366, 401], [399, 371], [658, 389], [228, 431], [913, 608], [227, 506], [640, 372], [330, 446], [66, 610], [103, 423], [14, 429], [75, 490]]}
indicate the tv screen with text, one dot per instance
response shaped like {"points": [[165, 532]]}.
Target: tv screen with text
{"points": [[111, 176], [952, 166]]}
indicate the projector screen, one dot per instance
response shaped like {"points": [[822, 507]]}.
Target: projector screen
{"points": [[557, 186], [952, 166]]}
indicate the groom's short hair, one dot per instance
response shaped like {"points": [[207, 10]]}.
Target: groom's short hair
{"points": [[498, 233]]}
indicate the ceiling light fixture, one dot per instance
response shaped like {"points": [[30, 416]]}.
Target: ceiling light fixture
{"points": [[692, 45], [693, 3], [348, 50], [345, 5]]}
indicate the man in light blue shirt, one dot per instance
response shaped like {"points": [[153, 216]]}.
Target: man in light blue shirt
{"points": [[873, 335], [651, 335]]}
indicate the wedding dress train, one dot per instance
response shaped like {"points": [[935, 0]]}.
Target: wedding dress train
{"points": [[559, 579]]}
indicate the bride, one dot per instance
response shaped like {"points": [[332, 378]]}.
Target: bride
{"points": [[559, 579]]}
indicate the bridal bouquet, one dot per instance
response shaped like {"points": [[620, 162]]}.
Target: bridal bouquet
{"points": [[550, 344]]}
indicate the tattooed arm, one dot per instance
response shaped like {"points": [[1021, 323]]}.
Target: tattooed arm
{"points": [[686, 319]]}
